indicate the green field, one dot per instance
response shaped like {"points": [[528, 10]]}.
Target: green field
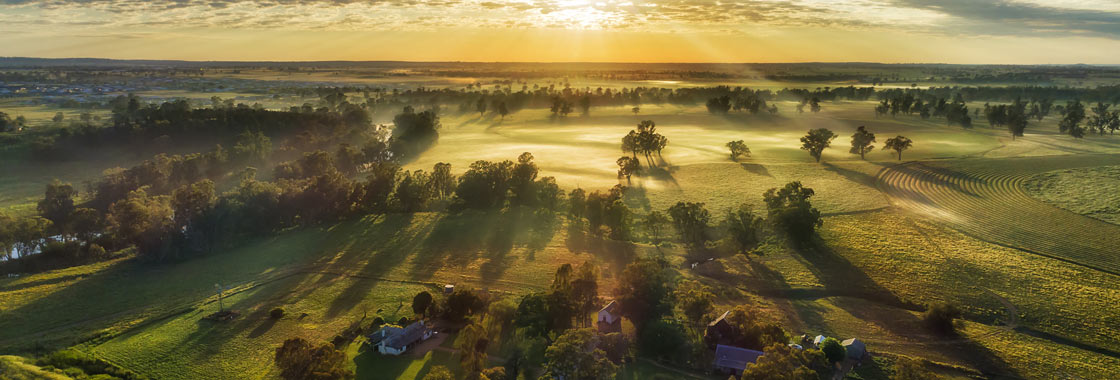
{"points": [[1086, 191], [971, 217]]}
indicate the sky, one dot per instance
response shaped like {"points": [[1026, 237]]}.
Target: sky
{"points": [[893, 31]]}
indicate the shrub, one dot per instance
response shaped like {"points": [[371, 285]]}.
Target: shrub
{"points": [[276, 313], [941, 318], [833, 350]]}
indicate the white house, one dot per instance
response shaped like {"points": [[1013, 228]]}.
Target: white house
{"points": [[393, 340], [610, 318]]}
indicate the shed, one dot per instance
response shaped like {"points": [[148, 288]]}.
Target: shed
{"points": [[719, 331], [731, 359]]}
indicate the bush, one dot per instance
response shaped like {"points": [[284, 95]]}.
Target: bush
{"points": [[941, 318], [276, 313], [833, 350], [377, 322]]}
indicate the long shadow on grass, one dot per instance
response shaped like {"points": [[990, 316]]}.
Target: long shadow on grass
{"points": [[376, 247], [460, 239], [131, 289], [851, 175], [841, 278], [756, 169]]}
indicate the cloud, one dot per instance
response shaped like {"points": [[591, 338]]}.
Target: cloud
{"points": [[945, 17], [1006, 17]]}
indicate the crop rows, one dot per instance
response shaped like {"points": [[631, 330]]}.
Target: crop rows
{"points": [[985, 199]]}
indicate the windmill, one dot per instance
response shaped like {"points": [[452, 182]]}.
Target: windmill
{"points": [[218, 288]]}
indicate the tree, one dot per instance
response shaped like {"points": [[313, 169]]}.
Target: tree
{"points": [[413, 191], [348, 159], [816, 141], [720, 105], [691, 221], [576, 356], [142, 220], [883, 108], [863, 141], [472, 343], [522, 180], [58, 117], [636, 109], [789, 210], [833, 350], [663, 339], [1101, 117], [442, 182], [898, 144], [742, 227], [252, 146], [576, 203], [644, 140], [414, 132], [694, 299], [502, 110], [58, 204], [1017, 117], [485, 185], [642, 292], [653, 222], [584, 290], [462, 303], [421, 302], [738, 149], [781, 362], [815, 104], [439, 372], [1073, 114], [585, 105], [628, 166], [298, 359], [480, 106]]}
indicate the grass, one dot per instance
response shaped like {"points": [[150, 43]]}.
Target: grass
{"points": [[879, 262], [985, 198], [864, 283], [1086, 191], [147, 317], [17, 368]]}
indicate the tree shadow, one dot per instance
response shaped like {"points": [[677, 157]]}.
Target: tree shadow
{"points": [[635, 198], [756, 169], [841, 278], [851, 175], [357, 240], [663, 174]]}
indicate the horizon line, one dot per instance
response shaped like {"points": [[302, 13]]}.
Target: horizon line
{"points": [[537, 62]]}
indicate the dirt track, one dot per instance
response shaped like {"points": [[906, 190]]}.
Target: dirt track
{"points": [[984, 198]]}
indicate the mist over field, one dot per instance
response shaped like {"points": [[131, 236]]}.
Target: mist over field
{"points": [[437, 190]]}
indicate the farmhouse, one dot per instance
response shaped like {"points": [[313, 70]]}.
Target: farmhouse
{"points": [[393, 340], [734, 360], [610, 320], [719, 331]]}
